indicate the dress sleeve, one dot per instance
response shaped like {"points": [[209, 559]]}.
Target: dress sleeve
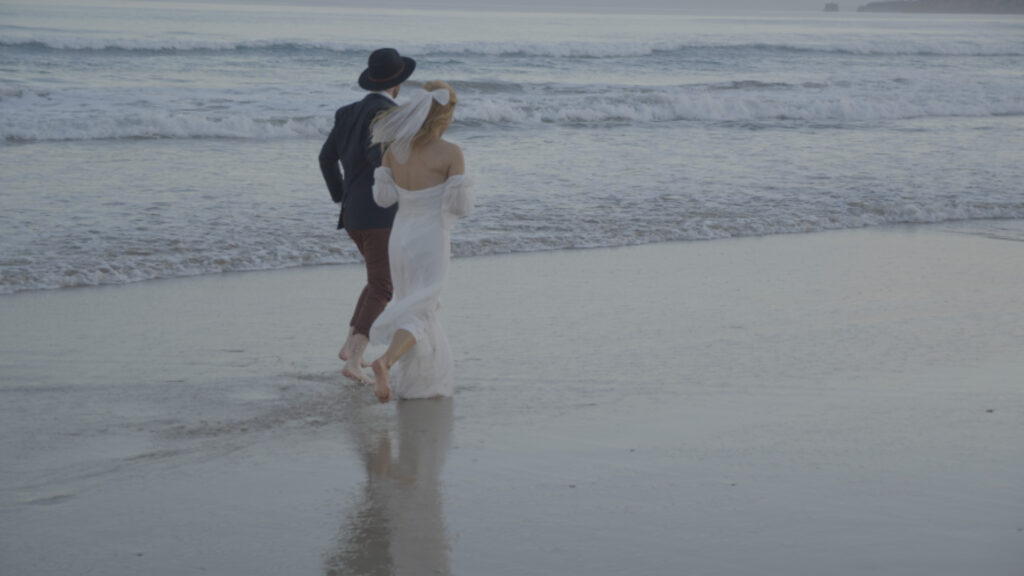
{"points": [[385, 193], [458, 195]]}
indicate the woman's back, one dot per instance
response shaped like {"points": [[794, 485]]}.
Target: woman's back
{"points": [[428, 165]]}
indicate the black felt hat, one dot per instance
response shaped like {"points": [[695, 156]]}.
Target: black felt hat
{"points": [[386, 68]]}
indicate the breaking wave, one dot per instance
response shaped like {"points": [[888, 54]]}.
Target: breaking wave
{"points": [[69, 116], [569, 49]]}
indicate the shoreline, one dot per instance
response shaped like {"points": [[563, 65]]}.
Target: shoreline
{"points": [[980, 224]]}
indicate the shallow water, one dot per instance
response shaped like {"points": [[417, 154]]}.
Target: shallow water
{"points": [[846, 399]]}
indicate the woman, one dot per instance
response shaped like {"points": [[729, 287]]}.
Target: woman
{"points": [[425, 175]]}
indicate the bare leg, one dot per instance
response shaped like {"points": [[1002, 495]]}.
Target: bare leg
{"points": [[401, 342], [354, 364], [344, 353]]}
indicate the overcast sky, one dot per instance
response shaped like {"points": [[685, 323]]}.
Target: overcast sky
{"points": [[670, 4], [587, 5]]}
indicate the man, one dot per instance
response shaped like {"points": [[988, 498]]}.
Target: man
{"points": [[367, 224]]}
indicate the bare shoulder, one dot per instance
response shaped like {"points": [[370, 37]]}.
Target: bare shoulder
{"points": [[453, 157], [450, 147]]}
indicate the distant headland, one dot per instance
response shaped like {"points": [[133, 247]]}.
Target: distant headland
{"points": [[948, 6]]}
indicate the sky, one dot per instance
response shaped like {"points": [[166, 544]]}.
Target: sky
{"points": [[648, 4], [589, 5], [654, 4], [681, 4]]}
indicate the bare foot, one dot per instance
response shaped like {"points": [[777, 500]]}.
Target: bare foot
{"points": [[352, 353], [355, 372], [380, 369]]}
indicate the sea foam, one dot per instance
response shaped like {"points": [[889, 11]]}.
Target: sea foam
{"points": [[893, 46], [35, 116]]}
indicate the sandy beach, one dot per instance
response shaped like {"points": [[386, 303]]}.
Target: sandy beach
{"points": [[837, 403]]}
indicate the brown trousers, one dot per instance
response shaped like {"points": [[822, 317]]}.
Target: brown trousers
{"points": [[373, 245]]}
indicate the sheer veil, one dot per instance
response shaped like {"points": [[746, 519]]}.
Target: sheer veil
{"points": [[399, 126]]}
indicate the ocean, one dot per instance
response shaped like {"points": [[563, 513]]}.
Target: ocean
{"points": [[147, 140]]}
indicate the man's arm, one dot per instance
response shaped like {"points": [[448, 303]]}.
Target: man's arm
{"points": [[329, 167]]}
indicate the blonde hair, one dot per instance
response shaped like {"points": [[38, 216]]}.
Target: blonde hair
{"points": [[440, 116]]}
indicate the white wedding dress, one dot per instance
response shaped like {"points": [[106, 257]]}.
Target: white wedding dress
{"points": [[419, 250]]}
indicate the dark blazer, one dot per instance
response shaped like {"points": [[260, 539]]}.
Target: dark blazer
{"points": [[349, 143]]}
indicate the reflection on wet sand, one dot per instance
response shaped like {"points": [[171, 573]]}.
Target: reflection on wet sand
{"points": [[395, 524]]}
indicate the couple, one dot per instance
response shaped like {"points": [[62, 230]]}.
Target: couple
{"points": [[401, 190]]}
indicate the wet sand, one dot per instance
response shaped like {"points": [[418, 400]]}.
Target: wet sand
{"points": [[838, 403]]}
